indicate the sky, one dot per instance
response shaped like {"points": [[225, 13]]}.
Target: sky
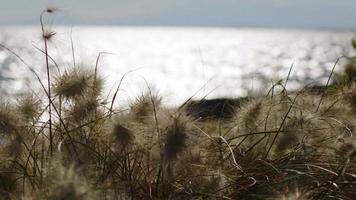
{"points": [[231, 13]]}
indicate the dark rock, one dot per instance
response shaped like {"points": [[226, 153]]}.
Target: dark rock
{"points": [[316, 89], [222, 108], [322, 90]]}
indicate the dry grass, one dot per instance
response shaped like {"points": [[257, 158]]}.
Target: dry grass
{"points": [[283, 146]]}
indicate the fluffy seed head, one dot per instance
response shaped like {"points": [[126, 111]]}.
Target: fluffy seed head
{"points": [[143, 107], [250, 115], [84, 107], [8, 122], [176, 139], [51, 9], [72, 83], [28, 107], [48, 34], [289, 138], [75, 82], [122, 136]]}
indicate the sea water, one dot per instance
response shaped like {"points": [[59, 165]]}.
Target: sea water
{"points": [[175, 62]]}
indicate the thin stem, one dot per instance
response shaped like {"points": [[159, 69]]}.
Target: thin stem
{"points": [[48, 86], [327, 83]]}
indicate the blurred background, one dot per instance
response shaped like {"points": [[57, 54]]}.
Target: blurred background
{"points": [[221, 48]]}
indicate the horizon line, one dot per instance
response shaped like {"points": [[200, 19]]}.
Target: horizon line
{"points": [[330, 28]]}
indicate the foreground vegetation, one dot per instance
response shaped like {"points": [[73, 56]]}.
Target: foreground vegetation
{"points": [[70, 142]]}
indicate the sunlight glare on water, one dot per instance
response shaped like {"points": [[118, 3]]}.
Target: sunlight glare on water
{"points": [[177, 62]]}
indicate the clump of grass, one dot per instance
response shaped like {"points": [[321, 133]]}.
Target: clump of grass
{"points": [[272, 146]]}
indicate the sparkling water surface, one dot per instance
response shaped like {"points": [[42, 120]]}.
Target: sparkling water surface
{"points": [[176, 61]]}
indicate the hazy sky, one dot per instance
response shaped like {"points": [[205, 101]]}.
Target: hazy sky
{"points": [[251, 13]]}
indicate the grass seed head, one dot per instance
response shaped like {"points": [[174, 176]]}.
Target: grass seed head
{"points": [[84, 107], [48, 34], [249, 115], [51, 9], [8, 120], [176, 139], [28, 107], [76, 82], [122, 136], [289, 138], [143, 108], [72, 84]]}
